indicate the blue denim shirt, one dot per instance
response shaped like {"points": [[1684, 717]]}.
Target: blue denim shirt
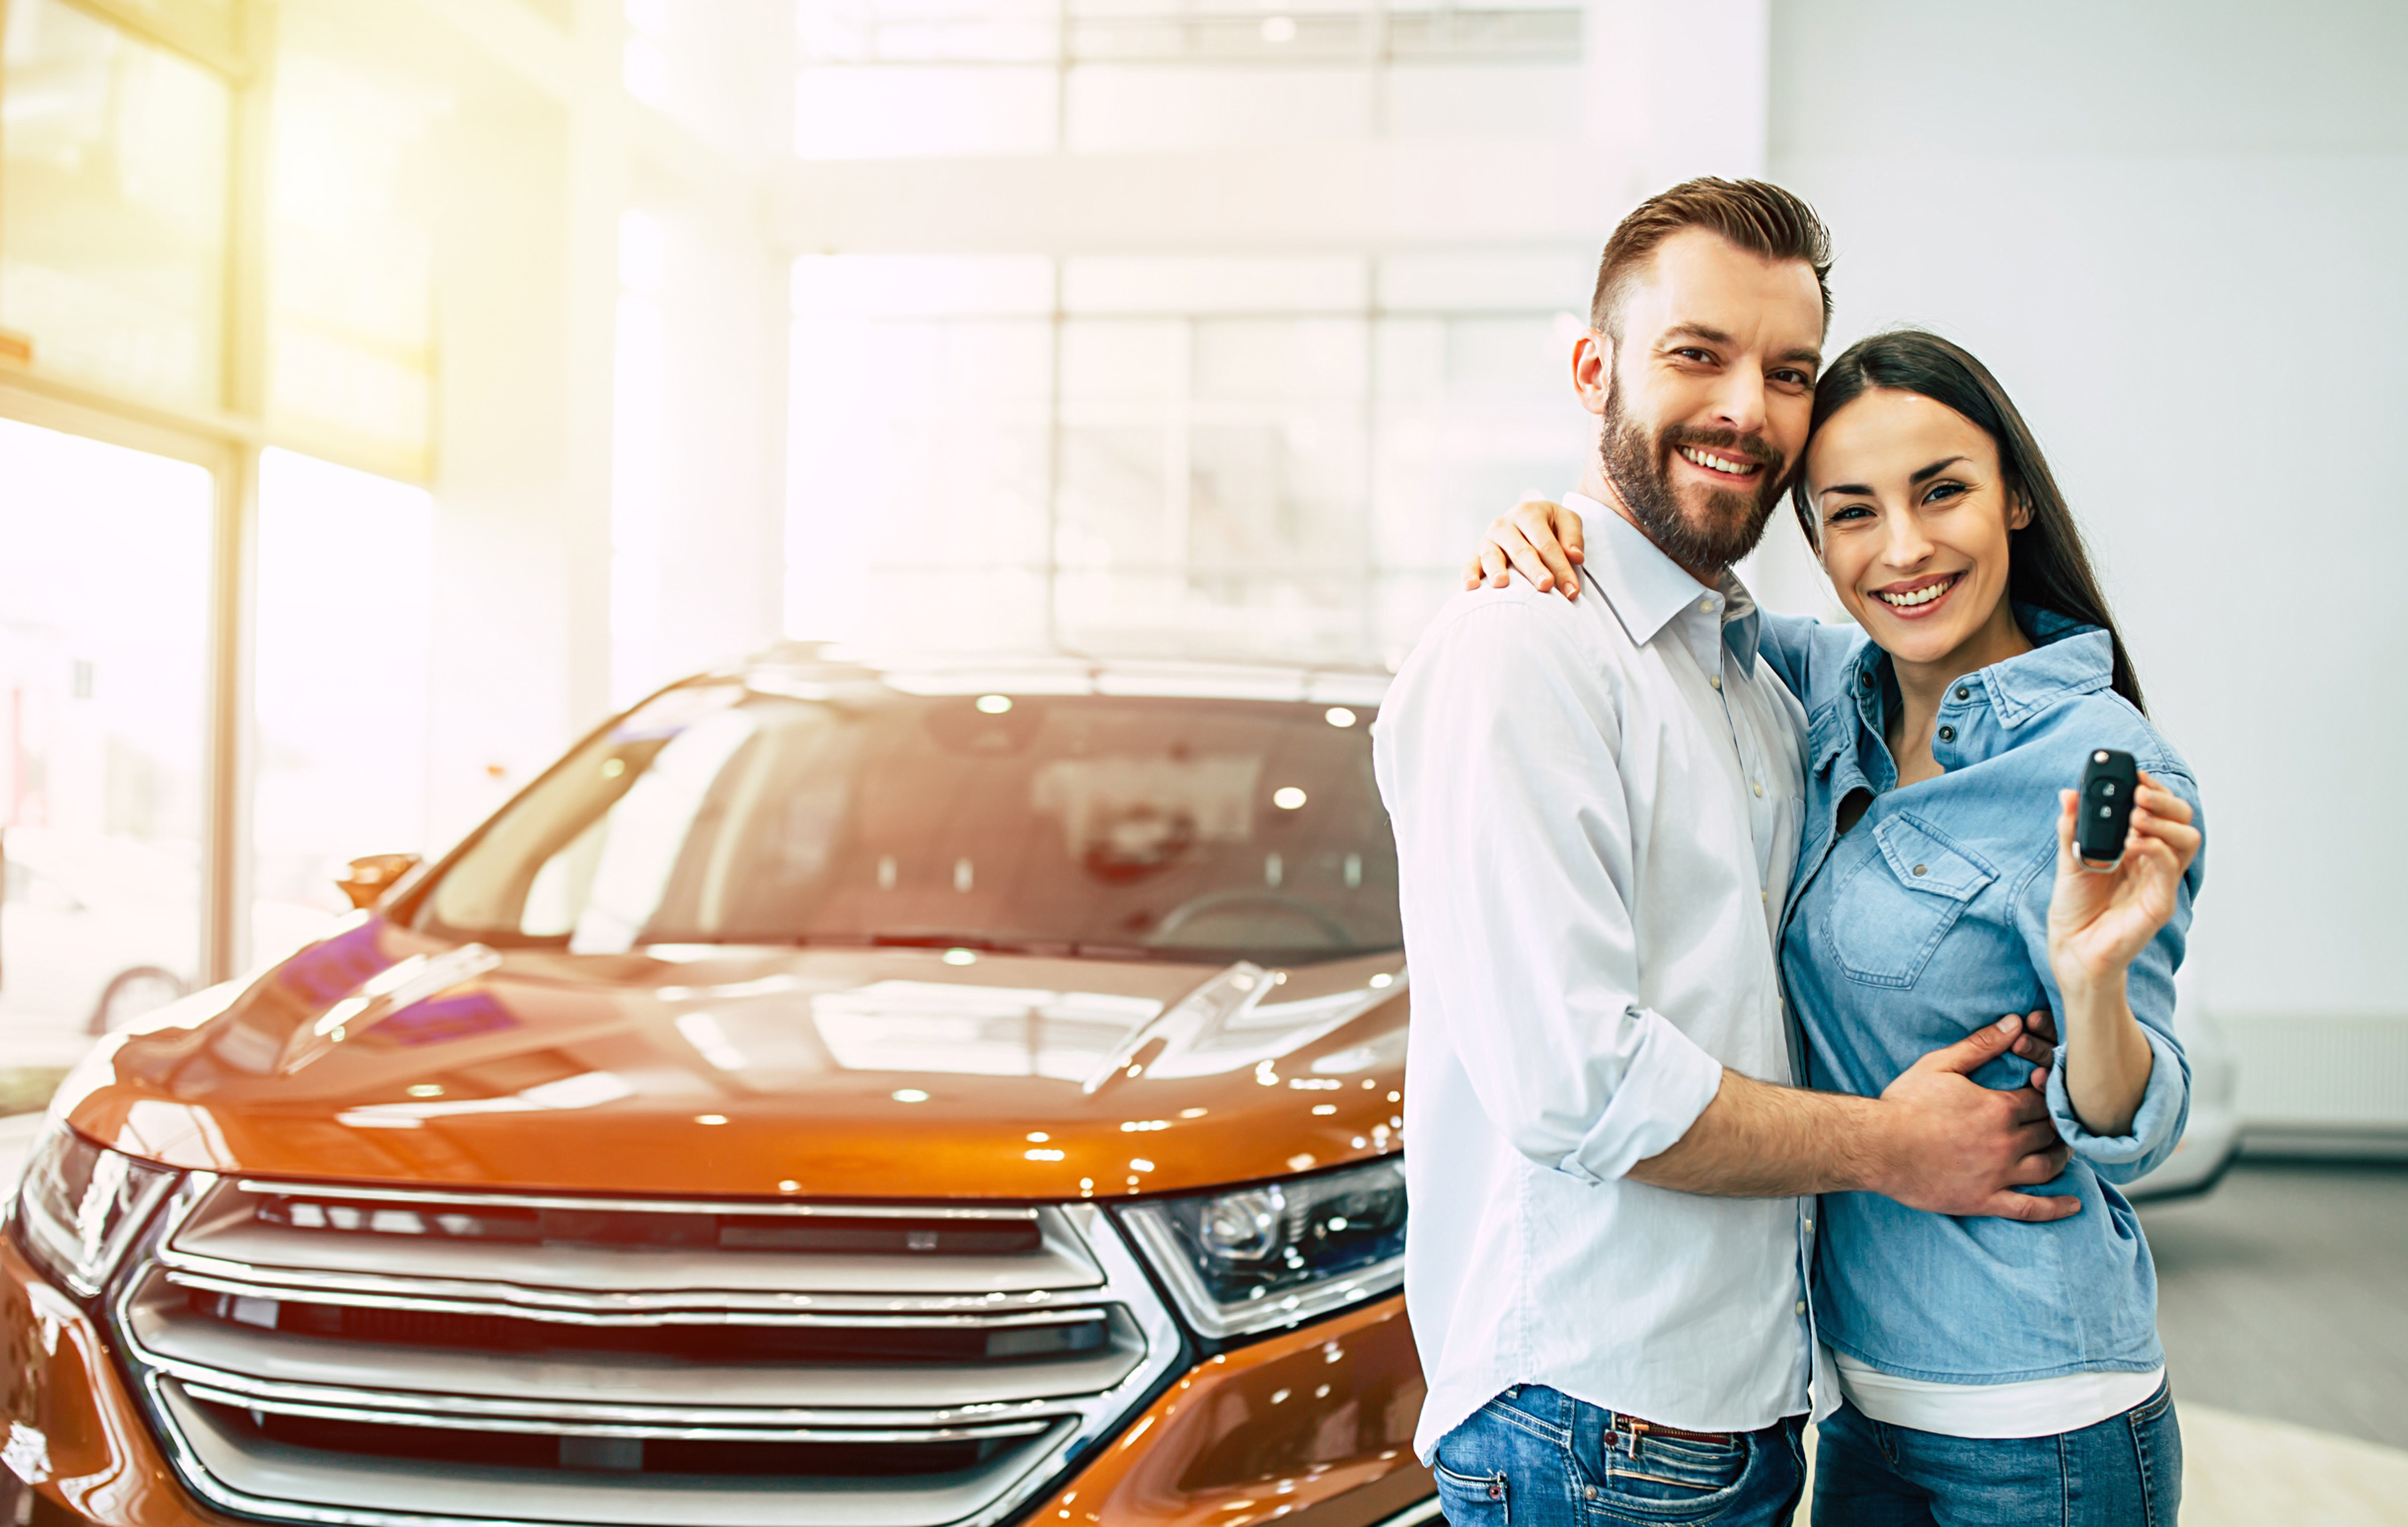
{"points": [[1929, 919]]}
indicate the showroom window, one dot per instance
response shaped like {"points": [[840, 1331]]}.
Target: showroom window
{"points": [[883, 78], [209, 644], [1244, 453]]}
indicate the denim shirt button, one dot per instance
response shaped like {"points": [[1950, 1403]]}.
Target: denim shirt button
{"points": [[1947, 734], [1865, 679], [1964, 693], [1922, 869]]}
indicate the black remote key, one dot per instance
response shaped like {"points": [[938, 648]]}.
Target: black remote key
{"points": [[2109, 782]]}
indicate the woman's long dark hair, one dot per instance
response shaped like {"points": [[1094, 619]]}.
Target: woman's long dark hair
{"points": [[2047, 567]]}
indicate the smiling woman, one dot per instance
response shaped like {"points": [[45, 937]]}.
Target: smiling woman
{"points": [[1924, 411]]}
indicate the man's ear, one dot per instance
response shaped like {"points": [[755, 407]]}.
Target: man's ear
{"points": [[1593, 369]]}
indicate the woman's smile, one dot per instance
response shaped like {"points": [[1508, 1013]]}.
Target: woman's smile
{"points": [[1918, 598]]}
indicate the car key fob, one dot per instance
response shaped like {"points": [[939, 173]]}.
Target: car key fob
{"points": [[2109, 782]]}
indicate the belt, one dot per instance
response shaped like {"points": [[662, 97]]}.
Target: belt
{"points": [[1634, 1428]]}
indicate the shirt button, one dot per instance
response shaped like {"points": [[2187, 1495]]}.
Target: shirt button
{"points": [[1706, 603], [1810, 1222], [1715, 680], [1865, 679], [1920, 868], [1947, 734], [1760, 789], [1801, 1305], [1963, 693]]}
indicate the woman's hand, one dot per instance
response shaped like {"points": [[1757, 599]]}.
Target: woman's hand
{"points": [[1541, 538], [2100, 920]]}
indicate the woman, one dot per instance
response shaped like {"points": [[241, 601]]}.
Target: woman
{"points": [[1992, 1371]]}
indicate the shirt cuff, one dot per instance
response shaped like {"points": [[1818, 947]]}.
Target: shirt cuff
{"points": [[2155, 1126], [1664, 1088]]}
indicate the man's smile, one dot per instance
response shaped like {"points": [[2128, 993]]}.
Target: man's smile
{"points": [[1719, 465]]}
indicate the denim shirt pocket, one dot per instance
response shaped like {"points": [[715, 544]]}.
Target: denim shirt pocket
{"points": [[1894, 907]]}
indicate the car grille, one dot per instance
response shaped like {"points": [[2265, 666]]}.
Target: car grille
{"points": [[354, 1356]]}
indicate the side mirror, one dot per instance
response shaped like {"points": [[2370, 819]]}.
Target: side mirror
{"points": [[366, 879]]}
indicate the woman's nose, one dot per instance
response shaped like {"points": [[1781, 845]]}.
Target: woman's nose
{"points": [[1908, 544]]}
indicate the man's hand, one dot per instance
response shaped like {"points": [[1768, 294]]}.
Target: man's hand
{"points": [[1541, 538], [1956, 1147], [1937, 1140]]}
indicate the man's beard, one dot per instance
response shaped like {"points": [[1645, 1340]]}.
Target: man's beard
{"points": [[1728, 524]]}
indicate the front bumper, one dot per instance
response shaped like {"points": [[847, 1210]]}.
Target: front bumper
{"points": [[1314, 1425]]}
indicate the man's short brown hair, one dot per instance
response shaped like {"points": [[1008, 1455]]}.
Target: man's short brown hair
{"points": [[1757, 216]]}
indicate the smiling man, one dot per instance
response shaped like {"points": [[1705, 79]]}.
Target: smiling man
{"points": [[1611, 1166]]}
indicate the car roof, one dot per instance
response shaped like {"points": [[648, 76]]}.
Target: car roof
{"points": [[813, 668]]}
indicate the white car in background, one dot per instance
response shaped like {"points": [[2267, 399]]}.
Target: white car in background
{"points": [[2214, 1136], [95, 931]]}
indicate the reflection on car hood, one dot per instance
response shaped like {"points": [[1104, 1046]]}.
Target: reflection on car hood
{"points": [[381, 1055]]}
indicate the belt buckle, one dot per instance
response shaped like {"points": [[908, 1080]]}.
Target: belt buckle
{"points": [[1632, 1427]]}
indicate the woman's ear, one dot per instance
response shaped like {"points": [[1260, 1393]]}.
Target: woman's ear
{"points": [[2018, 510]]}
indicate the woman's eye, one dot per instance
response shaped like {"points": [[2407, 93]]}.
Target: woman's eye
{"points": [[1849, 511], [1941, 491]]}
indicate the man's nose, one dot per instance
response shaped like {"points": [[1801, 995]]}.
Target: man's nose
{"points": [[1739, 402]]}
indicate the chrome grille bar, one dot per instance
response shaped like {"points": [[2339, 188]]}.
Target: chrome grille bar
{"points": [[269, 1418]]}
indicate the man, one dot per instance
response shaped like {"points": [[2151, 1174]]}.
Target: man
{"points": [[1597, 807]]}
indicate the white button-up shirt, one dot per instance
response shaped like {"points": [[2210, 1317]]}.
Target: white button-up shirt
{"points": [[1597, 806]]}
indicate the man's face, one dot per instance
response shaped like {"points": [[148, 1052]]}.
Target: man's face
{"points": [[1704, 400]]}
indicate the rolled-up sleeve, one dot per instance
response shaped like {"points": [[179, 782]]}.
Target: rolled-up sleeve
{"points": [[2165, 1104], [1497, 753]]}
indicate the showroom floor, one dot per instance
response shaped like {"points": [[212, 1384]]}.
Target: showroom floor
{"points": [[2283, 1301]]}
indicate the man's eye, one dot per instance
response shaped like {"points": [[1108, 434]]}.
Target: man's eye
{"points": [[1692, 352], [1788, 379]]}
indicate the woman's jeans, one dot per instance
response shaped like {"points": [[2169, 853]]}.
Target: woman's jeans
{"points": [[2123, 1472], [1535, 1457]]}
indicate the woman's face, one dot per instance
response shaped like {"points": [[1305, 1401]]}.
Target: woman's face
{"points": [[1915, 519]]}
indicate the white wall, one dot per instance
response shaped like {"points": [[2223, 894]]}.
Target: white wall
{"points": [[2174, 230]]}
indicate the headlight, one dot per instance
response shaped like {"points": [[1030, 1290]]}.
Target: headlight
{"points": [[1273, 1255], [80, 1204]]}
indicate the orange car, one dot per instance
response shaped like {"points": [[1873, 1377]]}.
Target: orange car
{"points": [[834, 1094]]}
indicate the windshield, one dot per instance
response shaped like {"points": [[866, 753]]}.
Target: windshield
{"points": [[1196, 829]]}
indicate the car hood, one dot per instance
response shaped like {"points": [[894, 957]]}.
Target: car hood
{"points": [[382, 1055]]}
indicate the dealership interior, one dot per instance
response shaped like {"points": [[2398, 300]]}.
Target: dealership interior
{"points": [[1041, 427]]}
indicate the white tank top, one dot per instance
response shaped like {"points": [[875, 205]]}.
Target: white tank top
{"points": [[2031, 1408]]}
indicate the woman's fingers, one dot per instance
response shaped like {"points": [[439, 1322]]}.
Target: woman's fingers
{"points": [[2006, 1203], [1535, 548], [2156, 798], [2176, 833], [1560, 523], [2041, 1167], [1543, 563]]}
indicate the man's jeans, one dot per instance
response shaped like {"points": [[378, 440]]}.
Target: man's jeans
{"points": [[2123, 1472], [1535, 1457]]}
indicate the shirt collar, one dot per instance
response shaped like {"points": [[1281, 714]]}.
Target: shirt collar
{"points": [[1648, 589], [2067, 657]]}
